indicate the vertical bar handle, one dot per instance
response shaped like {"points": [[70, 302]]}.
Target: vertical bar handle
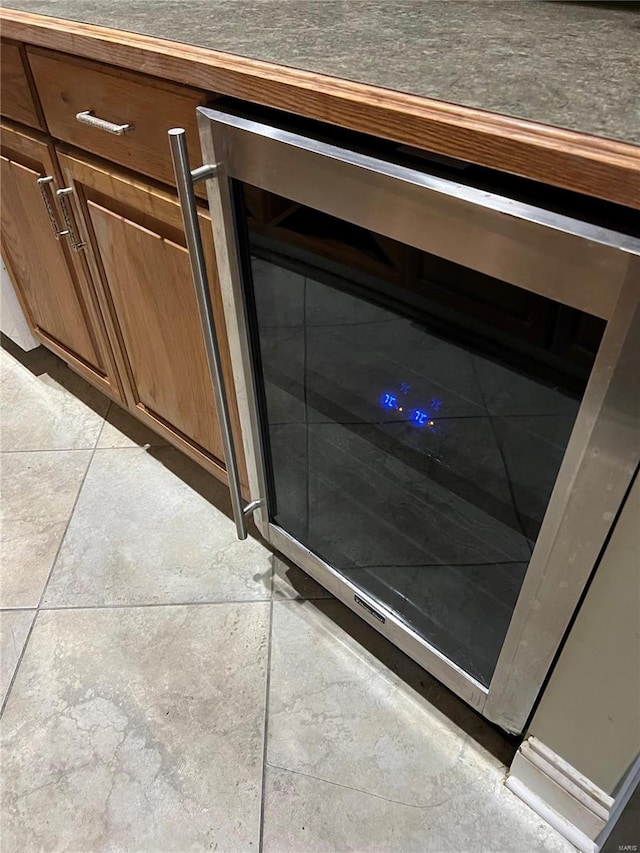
{"points": [[185, 180], [43, 183], [76, 244]]}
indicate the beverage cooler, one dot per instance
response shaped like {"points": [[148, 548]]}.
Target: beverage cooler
{"points": [[437, 374]]}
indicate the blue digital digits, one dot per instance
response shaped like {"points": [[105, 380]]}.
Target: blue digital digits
{"points": [[389, 401], [418, 417]]}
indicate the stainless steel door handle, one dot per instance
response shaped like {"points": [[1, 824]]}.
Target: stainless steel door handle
{"points": [[76, 244], [43, 183], [87, 117], [185, 180]]}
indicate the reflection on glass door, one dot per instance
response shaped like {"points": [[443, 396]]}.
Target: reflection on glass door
{"points": [[415, 416]]}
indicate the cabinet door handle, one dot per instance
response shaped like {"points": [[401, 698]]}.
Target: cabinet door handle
{"points": [[43, 183], [185, 179], [61, 195], [87, 117]]}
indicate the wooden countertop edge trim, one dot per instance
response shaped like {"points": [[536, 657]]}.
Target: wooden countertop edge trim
{"points": [[587, 164]]}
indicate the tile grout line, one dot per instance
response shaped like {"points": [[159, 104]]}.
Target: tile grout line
{"points": [[18, 609], [53, 565], [50, 449], [18, 664], [73, 509], [419, 806], [53, 608], [266, 723]]}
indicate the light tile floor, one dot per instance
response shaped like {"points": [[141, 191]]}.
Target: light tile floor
{"points": [[167, 688]]}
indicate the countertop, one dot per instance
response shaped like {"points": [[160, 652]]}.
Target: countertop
{"points": [[574, 65]]}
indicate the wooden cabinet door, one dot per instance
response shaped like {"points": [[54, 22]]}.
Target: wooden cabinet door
{"points": [[135, 230], [55, 293]]}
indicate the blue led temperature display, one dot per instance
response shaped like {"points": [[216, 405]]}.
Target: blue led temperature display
{"points": [[418, 417], [389, 401]]}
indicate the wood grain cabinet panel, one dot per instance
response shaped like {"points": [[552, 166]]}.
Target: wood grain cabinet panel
{"points": [[16, 98], [149, 281], [150, 107], [139, 255], [56, 297]]}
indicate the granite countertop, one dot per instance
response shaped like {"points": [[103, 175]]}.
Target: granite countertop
{"points": [[575, 64]]}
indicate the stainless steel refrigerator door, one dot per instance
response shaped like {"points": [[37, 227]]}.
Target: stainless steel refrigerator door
{"points": [[572, 262]]}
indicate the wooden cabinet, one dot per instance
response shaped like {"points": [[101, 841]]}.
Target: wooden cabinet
{"points": [[17, 97], [122, 310], [138, 256], [53, 287], [148, 107]]}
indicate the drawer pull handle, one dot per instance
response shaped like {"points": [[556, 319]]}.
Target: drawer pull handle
{"points": [[87, 117], [43, 183], [61, 195]]}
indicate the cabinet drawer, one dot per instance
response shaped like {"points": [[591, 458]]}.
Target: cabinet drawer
{"points": [[16, 100], [150, 106]]}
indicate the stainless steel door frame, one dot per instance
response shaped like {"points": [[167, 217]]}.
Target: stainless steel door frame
{"points": [[575, 263], [598, 467]]}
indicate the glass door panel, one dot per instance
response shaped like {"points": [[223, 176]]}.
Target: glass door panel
{"points": [[415, 415]]}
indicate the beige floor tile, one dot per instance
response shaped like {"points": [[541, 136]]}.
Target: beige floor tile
{"points": [[137, 729], [14, 629], [39, 489], [122, 430], [340, 710], [140, 534], [367, 752], [141, 728], [45, 406], [308, 815]]}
